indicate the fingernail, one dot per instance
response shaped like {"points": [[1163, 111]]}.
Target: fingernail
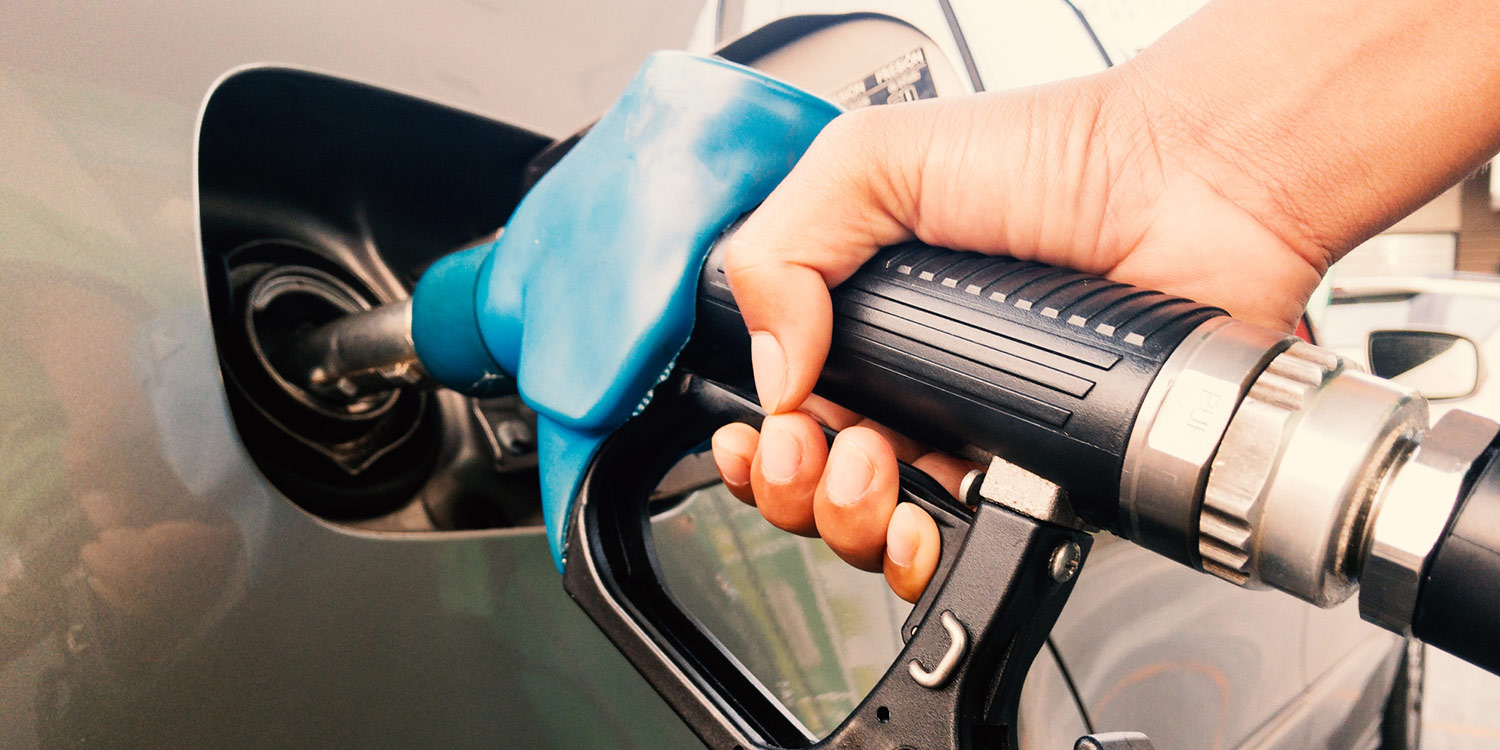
{"points": [[732, 465], [901, 541], [849, 475], [780, 453], [769, 363], [735, 470]]}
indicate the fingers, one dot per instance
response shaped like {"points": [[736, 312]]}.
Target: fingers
{"points": [[734, 449], [857, 514], [856, 497], [846, 494], [912, 546], [789, 459], [946, 470], [907, 450], [832, 212], [830, 414]]}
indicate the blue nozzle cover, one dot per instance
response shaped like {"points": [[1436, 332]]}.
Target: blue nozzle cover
{"points": [[589, 294], [445, 326]]}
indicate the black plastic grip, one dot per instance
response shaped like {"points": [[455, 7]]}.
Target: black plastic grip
{"points": [[1458, 606], [1042, 366]]}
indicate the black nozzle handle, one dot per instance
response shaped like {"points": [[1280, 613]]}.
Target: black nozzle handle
{"points": [[972, 636], [1458, 605], [1043, 366]]}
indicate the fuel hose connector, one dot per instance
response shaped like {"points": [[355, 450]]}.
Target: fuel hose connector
{"points": [[1272, 463], [1291, 490]]}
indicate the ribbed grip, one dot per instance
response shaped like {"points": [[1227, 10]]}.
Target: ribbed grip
{"points": [[1042, 366]]}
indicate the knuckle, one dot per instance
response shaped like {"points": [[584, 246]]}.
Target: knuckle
{"points": [[743, 262], [856, 125]]}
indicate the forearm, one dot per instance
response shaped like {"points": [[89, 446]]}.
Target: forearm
{"points": [[1326, 120]]}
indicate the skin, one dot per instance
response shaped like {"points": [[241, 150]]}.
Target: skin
{"points": [[1231, 163]]}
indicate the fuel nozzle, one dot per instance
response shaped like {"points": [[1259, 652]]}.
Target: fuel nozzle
{"points": [[354, 356], [1255, 457], [1298, 472], [430, 340]]}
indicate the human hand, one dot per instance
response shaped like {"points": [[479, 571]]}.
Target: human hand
{"points": [[1075, 175], [846, 492], [1229, 163]]}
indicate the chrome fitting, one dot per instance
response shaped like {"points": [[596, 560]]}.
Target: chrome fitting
{"points": [[1409, 514], [1181, 422], [1297, 472]]}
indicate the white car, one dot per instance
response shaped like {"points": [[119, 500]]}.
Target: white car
{"points": [[1440, 336]]}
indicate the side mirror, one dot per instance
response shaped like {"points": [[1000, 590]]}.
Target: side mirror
{"points": [[1439, 365]]}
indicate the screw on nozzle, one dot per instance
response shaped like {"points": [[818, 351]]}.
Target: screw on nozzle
{"points": [[1063, 564]]}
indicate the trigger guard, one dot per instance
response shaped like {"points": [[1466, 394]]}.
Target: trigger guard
{"points": [[953, 519], [992, 581], [951, 515]]}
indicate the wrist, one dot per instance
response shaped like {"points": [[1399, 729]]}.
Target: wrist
{"points": [[1156, 127]]}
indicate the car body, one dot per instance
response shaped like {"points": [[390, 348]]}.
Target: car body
{"points": [[1465, 304], [168, 578]]}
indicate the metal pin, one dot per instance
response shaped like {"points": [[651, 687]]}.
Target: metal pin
{"points": [[968, 490]]}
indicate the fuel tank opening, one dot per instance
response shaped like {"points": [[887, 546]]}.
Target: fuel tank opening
{"points": [[287, 302], [319, 198], [359, 458]]}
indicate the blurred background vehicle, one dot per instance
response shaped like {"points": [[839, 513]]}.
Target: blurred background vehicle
{"points": [[1439, 334], [1434, 271], [193, 556]]}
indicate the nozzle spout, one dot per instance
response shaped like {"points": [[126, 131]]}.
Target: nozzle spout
{"points": [[362, 353]]}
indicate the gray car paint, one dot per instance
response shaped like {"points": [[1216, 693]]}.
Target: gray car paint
{"points": [[156, 591], [230, 618]]}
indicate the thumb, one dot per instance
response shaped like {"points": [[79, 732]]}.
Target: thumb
{"points": [[847, 197]]}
